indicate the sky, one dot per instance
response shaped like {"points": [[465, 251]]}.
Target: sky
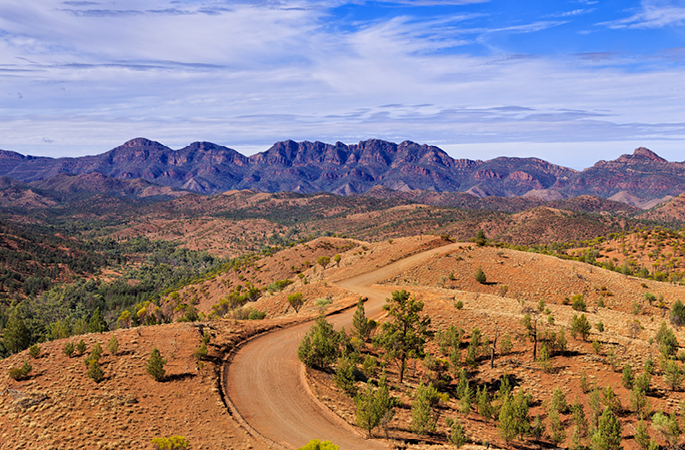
{"points": [[568, 81]]}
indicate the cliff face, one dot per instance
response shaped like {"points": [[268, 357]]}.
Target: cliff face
{"points": [[350, 169]]}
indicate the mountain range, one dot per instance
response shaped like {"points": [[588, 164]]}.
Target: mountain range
{"points": [[641, 179]]}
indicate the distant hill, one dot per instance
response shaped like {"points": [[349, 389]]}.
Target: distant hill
{"points": [[642, 179]]}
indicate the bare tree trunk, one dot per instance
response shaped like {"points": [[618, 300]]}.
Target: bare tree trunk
{"points": [[535, 340], [492, 354]]}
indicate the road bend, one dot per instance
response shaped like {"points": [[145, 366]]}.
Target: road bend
{"points": [[265, 379]]}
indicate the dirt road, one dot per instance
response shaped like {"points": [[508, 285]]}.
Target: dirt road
{"points": [[265, 380]]}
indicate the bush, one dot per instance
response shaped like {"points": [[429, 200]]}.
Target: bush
{"points": [[677, 315], [580, 326], [256, 314], [345, 375], [578, 303], [172, 443], [295, 300], [19, 373], [456, 434], [278, 285], [480, 276], [34, 351], [113, 345], [316, 444], [155, 366], [668, 344], [422, 418], [506, 346], [81, 347], [201, 352], [320, 346], [69, 349], [95, 372]]}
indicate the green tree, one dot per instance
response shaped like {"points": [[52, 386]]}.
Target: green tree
{"points": [[113, 345], [642, 435], [557, 432], [16, 335], [344, 375], [673, 374], [337, 258], [580, 326], [360, 324], [668, 344], [422, 419], [97, 323], [323, 261], [375, 408], [95, 372], [481, 239], [295, 300], [480, 276], [628, 378], [484, 403], [513, 417], [677, 315], [406, 334], [155, 365], [638, 397], [558, 401], [456, 435], [668, 427], [367, 413], [320, 346], [608, 433]]}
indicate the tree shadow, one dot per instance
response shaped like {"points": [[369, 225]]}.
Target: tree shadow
{"points": [[180, 376]]}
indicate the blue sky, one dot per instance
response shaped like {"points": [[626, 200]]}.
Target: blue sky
{"points": [[569, 81]]}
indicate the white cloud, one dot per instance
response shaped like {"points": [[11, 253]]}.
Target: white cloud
{"points": [[653, 14], [245, 74]]}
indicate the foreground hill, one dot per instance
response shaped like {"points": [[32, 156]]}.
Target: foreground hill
{"points": [[306, 167], [59, 405]]}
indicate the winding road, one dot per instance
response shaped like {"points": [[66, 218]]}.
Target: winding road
{"points": [[265, 380]]}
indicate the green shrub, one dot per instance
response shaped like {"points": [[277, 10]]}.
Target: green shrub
{"points": [[81, 347], [69, 349], [113, 345], [155, 366], [480, 276], [19, 373], [256, 314], [278, 285], [578, 303], [295, 300], [316, 444], [201, 352], [172, 443], [456, 434], [95, 372], [34, 351], [677, 315]]}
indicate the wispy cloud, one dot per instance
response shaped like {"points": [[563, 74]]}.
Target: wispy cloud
{"points": [[254, 71], [651, 15], [575, 12]]}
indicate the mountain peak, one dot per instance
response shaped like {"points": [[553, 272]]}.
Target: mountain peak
{"points": [[647, 153], [141, 142]]}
